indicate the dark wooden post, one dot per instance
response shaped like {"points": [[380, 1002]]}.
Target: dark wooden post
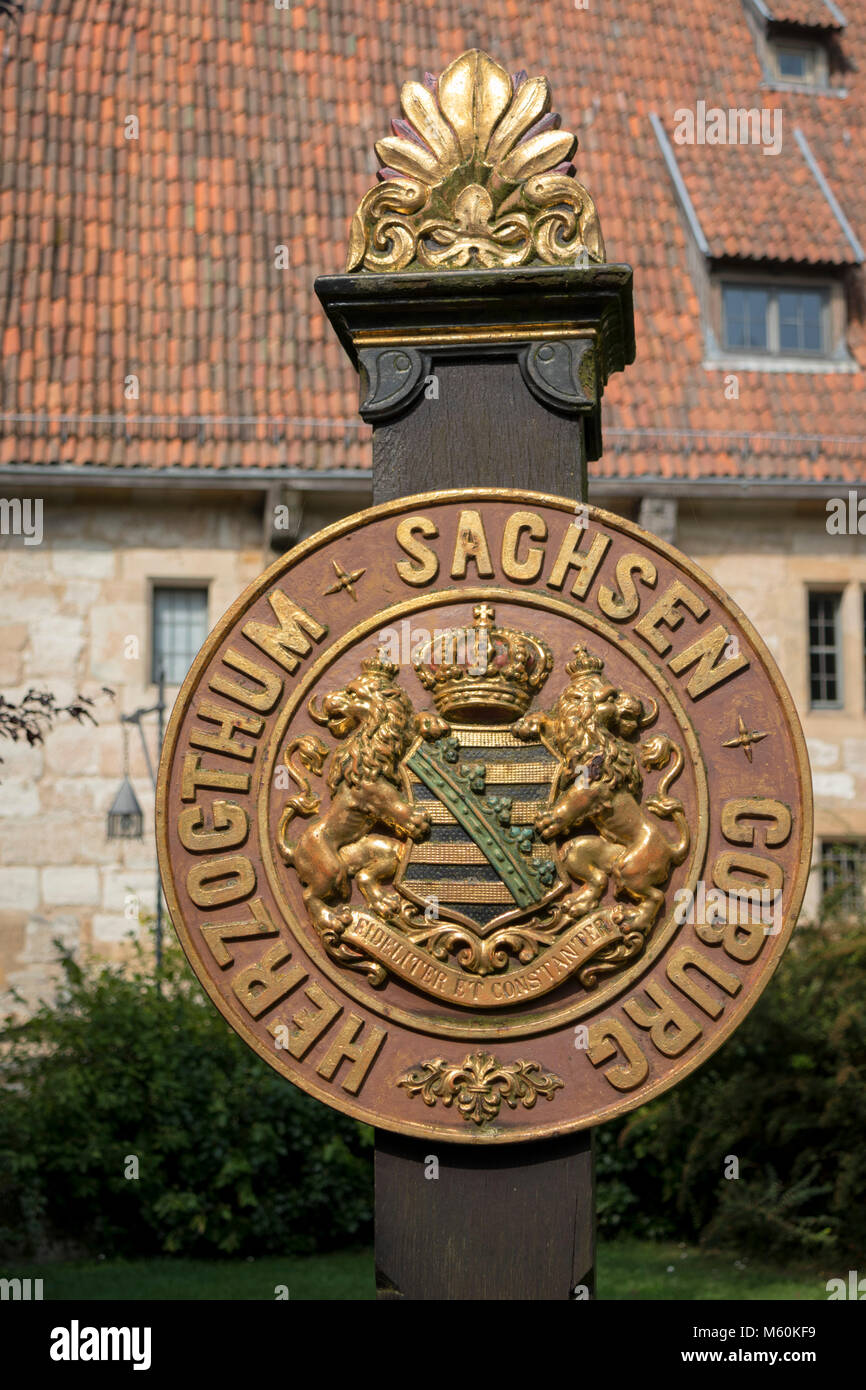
{"points": [[491, 378]]}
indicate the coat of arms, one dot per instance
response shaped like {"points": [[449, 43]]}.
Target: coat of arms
{"points": [[485, 839], [496, 845]]}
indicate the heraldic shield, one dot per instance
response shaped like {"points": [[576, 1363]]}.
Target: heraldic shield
{"points": [[498, 848], [482, 794]]}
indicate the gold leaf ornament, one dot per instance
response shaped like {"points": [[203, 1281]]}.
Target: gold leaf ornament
{"points": [[479, 1084], [477, 173]]}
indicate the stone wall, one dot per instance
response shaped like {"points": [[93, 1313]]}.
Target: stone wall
{"points": [[67, 608], [768, 557]]}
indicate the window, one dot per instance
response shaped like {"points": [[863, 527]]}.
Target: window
{"points": [[804, 63], [774, 319], [797, 45], [179, 629], [825, 662], [843, 875], [745, 312], [800, 314]]}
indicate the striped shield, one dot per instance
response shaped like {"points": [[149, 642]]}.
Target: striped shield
{"points": [[482, 863]]}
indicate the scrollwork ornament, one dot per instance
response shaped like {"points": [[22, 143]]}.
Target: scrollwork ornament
{"points": [[479, 1084], [477, 172]]}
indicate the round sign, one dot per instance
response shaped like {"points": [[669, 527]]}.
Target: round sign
{"points": [[484, 815]]}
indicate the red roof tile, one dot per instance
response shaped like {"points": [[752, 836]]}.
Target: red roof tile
{"points": [[748, 211], [812, 14], [156, 256]]}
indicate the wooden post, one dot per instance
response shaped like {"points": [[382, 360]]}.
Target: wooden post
{"points": [[469, 379], [494, 1223]]}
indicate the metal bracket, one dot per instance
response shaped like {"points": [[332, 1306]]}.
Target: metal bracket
{"points": [[561, 373], [391, 379]]}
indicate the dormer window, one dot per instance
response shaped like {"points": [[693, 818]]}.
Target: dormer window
{"points": [[800, 62], [774, 318], [799, 45], [782, 322]]}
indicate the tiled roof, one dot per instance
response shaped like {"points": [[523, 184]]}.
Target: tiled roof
{"points": [[812, 14], [157, 257], [750, 212]]}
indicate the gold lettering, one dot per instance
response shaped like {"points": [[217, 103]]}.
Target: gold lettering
{"points": [[471, 544], [308, 1026], [670, 1030], [229, 722], [604, 1037], [676, 973], [195, 777], [263, 700], [530, 568], [259, 987], [216, 934], [236, 870], [706, 652], [664, 610], [759, 809], [347, 1047], [585, 562], [285, 644], [229, 829], [426, 566], [743, 940], [625, 604]]}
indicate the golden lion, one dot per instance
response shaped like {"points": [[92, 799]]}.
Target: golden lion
{"points": [[376, 719], [591, 728]]}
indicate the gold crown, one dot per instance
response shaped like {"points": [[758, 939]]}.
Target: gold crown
{"points": [[483, 671], [381, 667], [583, 663]]}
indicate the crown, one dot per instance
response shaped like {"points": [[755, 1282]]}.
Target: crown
{"points": [[583, 663], [380, 666], [483, 671]]}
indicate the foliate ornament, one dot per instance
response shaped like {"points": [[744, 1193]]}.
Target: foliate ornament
{"points": [[479, 1084], [477, 172]]}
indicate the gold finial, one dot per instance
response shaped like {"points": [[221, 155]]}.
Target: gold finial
{"points": [[477, 173]]}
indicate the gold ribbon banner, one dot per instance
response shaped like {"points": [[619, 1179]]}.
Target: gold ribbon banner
{"points": [[418, 967]]}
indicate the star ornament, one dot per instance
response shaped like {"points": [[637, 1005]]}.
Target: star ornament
{"points": [[745, 738], [345, 581]]}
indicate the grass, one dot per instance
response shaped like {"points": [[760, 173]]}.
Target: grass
{"points": [[346, 1274], [627, 1269], [642, 1269]]}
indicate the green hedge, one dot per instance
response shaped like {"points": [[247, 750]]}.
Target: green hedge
{"points": [[785, 1097], [232, 1159]]}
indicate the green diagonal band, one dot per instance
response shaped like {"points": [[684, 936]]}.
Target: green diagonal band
{"points": [[471, 813]]}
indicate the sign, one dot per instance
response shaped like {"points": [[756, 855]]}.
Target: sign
{"points": [[484, 816]]}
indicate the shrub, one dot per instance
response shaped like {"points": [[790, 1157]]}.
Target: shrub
{"points": [[231, 1157], [786, 1097]]}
